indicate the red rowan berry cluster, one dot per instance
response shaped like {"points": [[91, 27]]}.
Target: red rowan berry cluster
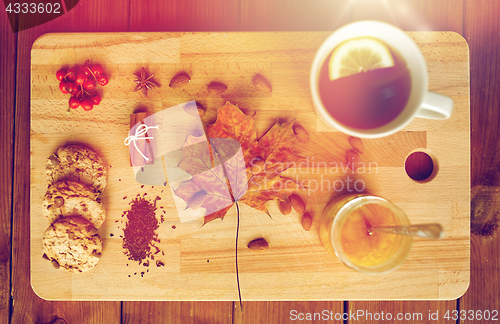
{"points": [[81, 82]]}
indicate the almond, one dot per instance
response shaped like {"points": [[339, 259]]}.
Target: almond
{"points": [[179, 80], [217, 87], [307, 221], [285, 207], [297, 203], [357, 144], [262, 84], [197, 200], [258, 245], [301, 133]]}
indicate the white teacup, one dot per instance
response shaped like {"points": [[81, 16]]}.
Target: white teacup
{"points": [[422, 103]]}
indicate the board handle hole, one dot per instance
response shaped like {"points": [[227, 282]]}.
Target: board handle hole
{"points": [[421, 166]]}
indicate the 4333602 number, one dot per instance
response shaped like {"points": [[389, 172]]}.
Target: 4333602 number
{"points": [[34, 7], [472, 315]]}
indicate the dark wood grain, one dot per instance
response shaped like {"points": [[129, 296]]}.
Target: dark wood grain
{"points": [[481, 31], [177, 312], [294, 14], [27, 306], [413, 15], [401, 311], [190, 15], [90, 16], [287, 312], [45, 312], [7, 91]]}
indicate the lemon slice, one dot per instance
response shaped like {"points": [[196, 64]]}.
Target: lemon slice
{"points": [[358, 55]]}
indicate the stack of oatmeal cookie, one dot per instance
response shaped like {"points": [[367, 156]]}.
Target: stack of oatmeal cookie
{"points": [[76, 177]]}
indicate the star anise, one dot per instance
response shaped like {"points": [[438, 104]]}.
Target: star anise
{"points": [[144, 82]]}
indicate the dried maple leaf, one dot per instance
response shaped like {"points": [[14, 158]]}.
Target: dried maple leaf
{"points": [[198, 160], [237, 166]]}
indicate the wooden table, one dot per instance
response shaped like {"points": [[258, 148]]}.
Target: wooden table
{"points": [[296, 267], [477, 21]]}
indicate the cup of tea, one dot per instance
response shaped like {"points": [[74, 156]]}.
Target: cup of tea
{"points": [[369, 79], [344, 232]]}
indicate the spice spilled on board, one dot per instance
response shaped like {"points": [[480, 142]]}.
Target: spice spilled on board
{"points": [[139, 235]]}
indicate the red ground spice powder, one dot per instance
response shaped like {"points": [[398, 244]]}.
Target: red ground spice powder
{"points": [[139, 233]]}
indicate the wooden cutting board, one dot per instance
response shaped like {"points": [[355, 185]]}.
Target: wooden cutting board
{"points": [[200, 261]]}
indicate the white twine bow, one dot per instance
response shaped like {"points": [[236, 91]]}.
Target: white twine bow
{"points": [[139, 132]]}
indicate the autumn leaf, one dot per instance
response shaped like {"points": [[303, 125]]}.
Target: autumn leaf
{"points": [[208, 182], [196, 155], [234, 165]]}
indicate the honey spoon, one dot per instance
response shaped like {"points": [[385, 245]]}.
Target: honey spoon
{"points": [[432, 231]]}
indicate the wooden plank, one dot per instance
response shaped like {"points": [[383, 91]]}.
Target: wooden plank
{"points": [[188, 312], [94, 16], [365, 10], [409, 15], [413, 15], [183, 16], [7, 104], [27, 306], [401, 311], [288, 15], [481, 31], [178, 15], [286, 312], [204, 258], [41, 311]]}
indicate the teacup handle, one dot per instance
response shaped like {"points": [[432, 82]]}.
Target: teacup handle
{"points": [[435, 106]]}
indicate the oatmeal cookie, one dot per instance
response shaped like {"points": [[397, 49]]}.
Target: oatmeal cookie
{"points": [[77, 163], [73, 244], [67, 198]]}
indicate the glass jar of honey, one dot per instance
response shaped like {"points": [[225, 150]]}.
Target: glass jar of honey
{"points": [[344, 231]]}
